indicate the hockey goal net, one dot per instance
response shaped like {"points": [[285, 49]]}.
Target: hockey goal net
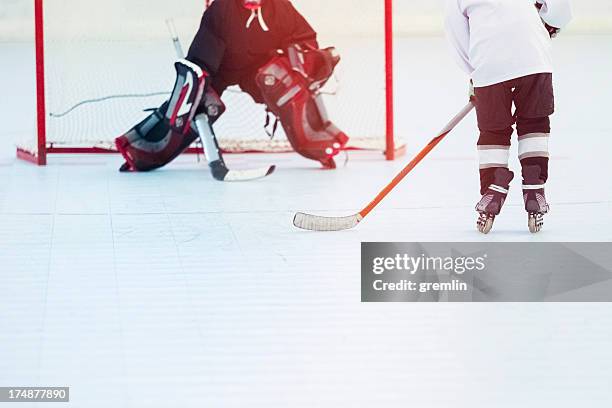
{"points": [[101, 64]]}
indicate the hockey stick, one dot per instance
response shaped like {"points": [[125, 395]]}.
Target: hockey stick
{"points": [[318, 223], [217, 165], [175, 38], [222, 173]]}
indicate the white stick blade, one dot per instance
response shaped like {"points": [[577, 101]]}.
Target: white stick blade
{"points": [[247, 175], [317, 223]]}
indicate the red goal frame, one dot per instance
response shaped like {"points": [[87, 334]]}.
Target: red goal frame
{"points": [[45, 148]]}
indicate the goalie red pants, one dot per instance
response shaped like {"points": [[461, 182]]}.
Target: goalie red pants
{"points": [[533, 99]]}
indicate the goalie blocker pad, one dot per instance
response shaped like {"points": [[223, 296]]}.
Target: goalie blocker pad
{"points": [[292, 95], [167, 132]]}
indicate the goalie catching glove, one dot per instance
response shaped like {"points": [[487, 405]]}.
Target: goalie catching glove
{"points": [[290, 84]]}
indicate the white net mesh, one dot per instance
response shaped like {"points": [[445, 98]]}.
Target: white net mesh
{"points": [[108, 61], [98, 50]]}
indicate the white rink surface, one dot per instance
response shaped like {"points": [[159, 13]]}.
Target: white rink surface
{"points": [[171, 290]]}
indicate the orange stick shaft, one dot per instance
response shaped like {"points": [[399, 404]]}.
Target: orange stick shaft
{"points": [[419, 157]]}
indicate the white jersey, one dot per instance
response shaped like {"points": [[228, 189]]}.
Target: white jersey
{"points": [[499, 40]]}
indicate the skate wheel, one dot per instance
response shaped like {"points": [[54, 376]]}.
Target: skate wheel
{"points": [[536, 223], [485, 224]]}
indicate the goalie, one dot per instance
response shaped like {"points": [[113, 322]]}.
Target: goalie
{"points": [[268, 49]]}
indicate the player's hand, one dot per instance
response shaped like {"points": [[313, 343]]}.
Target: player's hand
{"points": [[472, 92], [552, 31]]}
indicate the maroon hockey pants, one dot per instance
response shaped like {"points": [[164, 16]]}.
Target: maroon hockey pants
{"points": [[533, 99]]}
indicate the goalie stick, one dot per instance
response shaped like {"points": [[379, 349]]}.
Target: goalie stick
{"points": [[215, 160], [217, 166], [319, 223]]}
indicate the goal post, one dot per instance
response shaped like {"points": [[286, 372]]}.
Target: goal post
{"points": [[39, 156], [100, 65], [390, 147]]}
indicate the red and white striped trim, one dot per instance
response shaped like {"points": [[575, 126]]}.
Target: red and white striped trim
{"points": [[533, 187], [533, 145], [499, 189], [195, 67], [492, 156]]}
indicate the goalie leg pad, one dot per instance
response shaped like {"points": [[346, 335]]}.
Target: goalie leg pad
{"points": [[302, 113], [167, 132]]}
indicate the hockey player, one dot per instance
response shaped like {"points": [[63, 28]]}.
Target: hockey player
{"points": [[505, 48], [268, 49]]}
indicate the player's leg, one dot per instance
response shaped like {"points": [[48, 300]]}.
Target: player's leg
{"points": [[495, 120], [534, 99], [292, 94], [167, 132]]}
